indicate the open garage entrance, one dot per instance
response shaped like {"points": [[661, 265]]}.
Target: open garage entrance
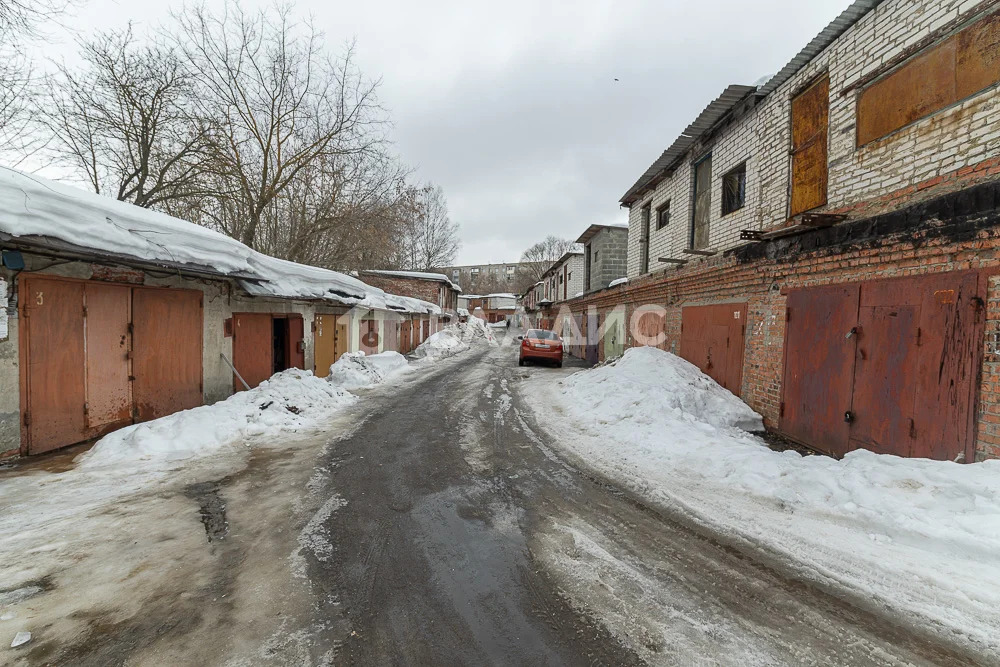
{"points": [[889, 365], [265, 344]]}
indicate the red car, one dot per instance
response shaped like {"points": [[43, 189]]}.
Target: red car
{"points": [[540, 345]]}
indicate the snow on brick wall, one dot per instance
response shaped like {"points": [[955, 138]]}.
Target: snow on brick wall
{"points": [[943, 144]]}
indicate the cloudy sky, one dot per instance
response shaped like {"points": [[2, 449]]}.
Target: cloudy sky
{"points": [[514, 108]]}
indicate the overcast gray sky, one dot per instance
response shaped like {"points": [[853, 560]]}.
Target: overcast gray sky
{"points": [[513, 107]]}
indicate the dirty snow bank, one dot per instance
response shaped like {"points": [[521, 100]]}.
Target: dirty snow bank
{"points": [[454, 339], [290, 400], [917, 536], [356, 369]]}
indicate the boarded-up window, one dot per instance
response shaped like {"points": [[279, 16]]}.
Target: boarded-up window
{"points": [[810, 117], [959, 67], [702, 202]]}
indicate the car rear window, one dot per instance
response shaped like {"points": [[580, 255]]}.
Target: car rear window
{"points": [[541, 334]]}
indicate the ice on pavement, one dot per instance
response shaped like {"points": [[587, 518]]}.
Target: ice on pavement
{"points": [[921, 537], [20, 639]]}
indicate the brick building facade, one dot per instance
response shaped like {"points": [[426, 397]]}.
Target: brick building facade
{"points": [[435, 288], [839, 265]]}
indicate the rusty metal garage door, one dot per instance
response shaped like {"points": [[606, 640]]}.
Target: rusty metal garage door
{"points": [[889, 365], [324, 344], [53, 355], [107, 339], [819, 365], [368, 332], [167, 351], [253, 354], [712, 340]]}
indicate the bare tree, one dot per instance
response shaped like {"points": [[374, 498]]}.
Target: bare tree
{"points": [[19, 21], [537, 259], [124, 121], [431, 237], [280, 104]]}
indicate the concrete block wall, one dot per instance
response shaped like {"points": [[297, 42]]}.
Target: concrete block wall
{"points": [[959, 137], [608, 256]]}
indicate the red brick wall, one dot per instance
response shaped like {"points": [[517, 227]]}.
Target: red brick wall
{"points": [[958, 231], [417, 288]]}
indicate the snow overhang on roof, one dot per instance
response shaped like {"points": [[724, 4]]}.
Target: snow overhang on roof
{"points": [[734, 94], [62, 220]]}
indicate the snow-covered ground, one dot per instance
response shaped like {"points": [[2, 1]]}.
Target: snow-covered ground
{"points": [[93, 535], [919, 537]]}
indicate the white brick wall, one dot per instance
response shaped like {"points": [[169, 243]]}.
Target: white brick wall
{"points": [[962, 135]]}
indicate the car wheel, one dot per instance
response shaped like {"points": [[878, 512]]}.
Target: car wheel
{"points": [[520, 362], [558, 364]]}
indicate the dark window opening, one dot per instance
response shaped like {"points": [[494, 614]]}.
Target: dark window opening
{"points": [[663, 215], [734, 187]]}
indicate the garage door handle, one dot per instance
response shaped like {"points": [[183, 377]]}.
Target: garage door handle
{"points": [[913, 428]]}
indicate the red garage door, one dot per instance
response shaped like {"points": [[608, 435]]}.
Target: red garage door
{"points": [[167, 330], [888, 365], [712, 340]]}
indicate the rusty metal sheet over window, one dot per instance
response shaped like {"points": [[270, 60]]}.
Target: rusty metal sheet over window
{"points": [[712, 338], [167, 343], [952, 70], [810, 118]]}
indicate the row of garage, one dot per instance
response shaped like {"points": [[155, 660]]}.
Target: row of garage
{"points": [[96, 355], [890, 365]]}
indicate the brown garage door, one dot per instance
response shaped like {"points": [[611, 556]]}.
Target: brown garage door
{"points": [[712, 340], [253, 353], [889, 365], [167, 333], [55, 371], [106, 334], [79, 357]]}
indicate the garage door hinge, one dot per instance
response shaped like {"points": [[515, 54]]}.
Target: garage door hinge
{"points": [[788, 314], [131, 378], [781, 409], [86, 408], [27, 418]]}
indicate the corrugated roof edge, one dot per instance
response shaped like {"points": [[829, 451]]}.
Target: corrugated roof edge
{"points": [[817, 45]]}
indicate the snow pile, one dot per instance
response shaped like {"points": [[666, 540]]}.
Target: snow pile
{"points": [[455, 339], [618, 281], [289, 400], [356, 369], [647, 385], [445, 343], [917, 536]]}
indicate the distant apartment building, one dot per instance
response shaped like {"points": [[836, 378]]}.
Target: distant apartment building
{"points": [[492, 278]]}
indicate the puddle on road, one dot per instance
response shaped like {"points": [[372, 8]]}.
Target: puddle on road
{"points": [[211, 508]]}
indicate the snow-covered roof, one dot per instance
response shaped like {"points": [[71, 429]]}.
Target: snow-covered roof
{"points": [[501, 295], [418, 275], [37, 212], [36, 209], [618, 281]]}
